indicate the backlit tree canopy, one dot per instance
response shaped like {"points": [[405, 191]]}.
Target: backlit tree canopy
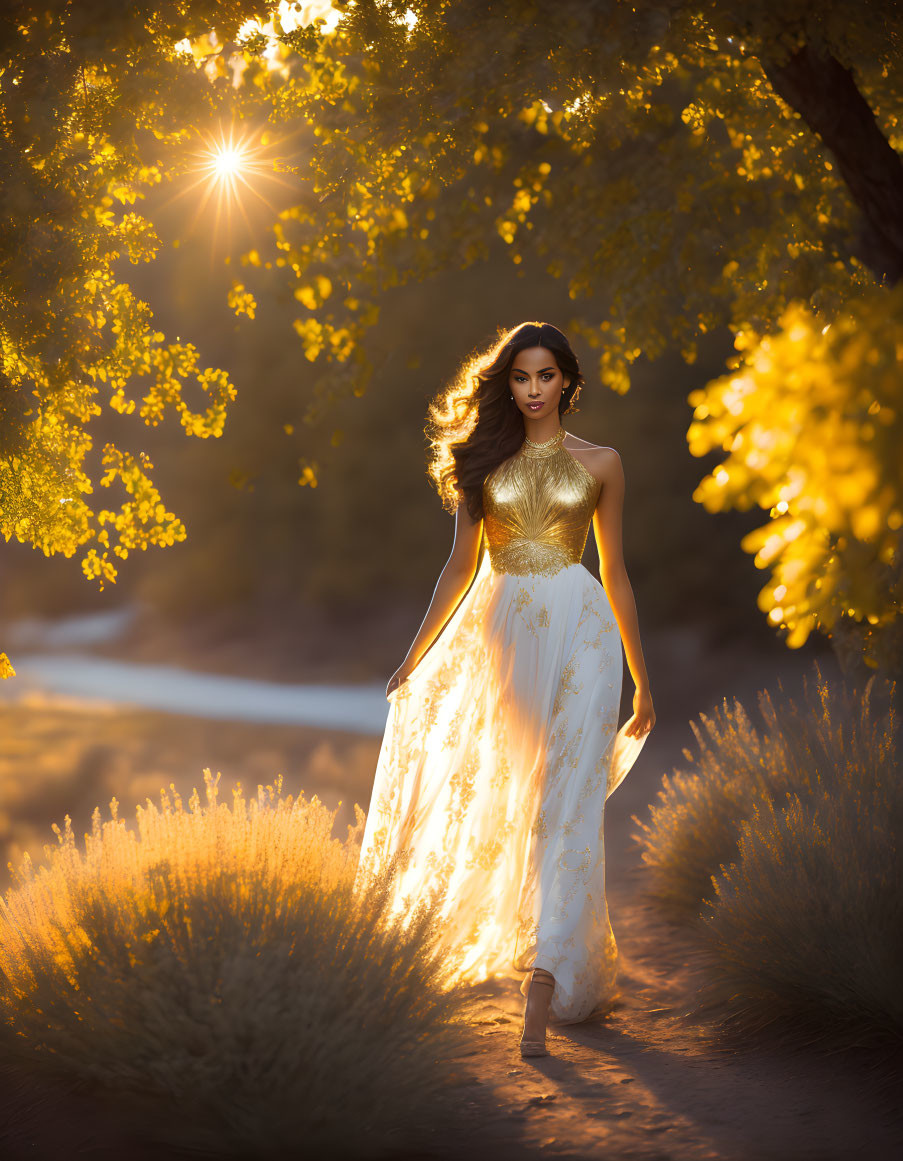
{"points": [[92, 97], [681, 166], [812, 421]]}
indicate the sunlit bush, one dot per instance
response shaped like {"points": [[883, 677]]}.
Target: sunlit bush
{"points": [[220, 965], [781, 850]]}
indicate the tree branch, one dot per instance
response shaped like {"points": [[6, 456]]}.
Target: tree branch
{"points": [[826, 96]]}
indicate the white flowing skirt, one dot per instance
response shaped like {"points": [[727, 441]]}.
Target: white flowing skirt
{"points": [[498, 755]]}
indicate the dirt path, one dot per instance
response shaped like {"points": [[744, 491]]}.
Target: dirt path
{"points": [[647, 1082]]}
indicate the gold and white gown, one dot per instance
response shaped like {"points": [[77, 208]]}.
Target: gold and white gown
{"points": [[502, 746]]}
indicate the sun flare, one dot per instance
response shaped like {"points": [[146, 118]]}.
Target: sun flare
{"points": [[235, 173], [227, 162], [232, 171]]}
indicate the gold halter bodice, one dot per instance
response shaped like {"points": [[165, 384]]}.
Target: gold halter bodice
{"points": [[537, 508]]}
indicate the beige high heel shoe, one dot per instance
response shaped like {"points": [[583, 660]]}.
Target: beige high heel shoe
{"points": [[536, 1047]]}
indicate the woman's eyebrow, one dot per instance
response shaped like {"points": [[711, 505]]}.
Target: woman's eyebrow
{"points": [[520, 371]]}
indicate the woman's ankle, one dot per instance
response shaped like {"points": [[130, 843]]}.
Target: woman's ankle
{"points": [[536, 1006]]}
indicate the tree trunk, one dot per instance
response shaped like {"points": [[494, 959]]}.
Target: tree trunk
{"points": [[825, 95]]}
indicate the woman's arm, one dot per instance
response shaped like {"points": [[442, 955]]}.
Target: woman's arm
{"points": [[607, 521], [454, 581]]}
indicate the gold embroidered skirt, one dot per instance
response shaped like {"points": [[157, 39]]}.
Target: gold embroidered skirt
{"points": [[498, 755]]}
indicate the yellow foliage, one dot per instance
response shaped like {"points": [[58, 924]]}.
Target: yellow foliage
{"points": [[308, 474], [74, 339], [241, 300], [42, 488], [811, 421]]}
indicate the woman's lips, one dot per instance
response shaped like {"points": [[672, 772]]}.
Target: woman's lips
{"points": [[535, 406]]}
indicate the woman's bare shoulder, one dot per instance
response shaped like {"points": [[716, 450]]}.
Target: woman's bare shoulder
{"points": [[600, 461]]}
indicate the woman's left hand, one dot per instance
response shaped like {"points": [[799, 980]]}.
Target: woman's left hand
{"points": [[643, 714]]}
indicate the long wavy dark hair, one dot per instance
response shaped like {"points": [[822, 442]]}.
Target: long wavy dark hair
{"points": [[474, 424]]}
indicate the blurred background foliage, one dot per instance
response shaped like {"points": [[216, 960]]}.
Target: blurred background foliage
{"points": [[653, 177]]}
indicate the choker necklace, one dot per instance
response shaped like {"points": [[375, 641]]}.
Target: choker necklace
{"points": [[547, 448]]}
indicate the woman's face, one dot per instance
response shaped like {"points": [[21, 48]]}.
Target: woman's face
{"points": [[536, 382]]}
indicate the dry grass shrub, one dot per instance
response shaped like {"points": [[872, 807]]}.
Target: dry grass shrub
{"points": [[805, 935], [220, 963], [693, 829], [693, 824], [795, 876]]}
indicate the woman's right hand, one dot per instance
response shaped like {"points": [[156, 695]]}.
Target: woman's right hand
{"points": [[400, 676]]}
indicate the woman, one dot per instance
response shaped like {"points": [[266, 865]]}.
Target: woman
{"points": [[501, 744]]}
